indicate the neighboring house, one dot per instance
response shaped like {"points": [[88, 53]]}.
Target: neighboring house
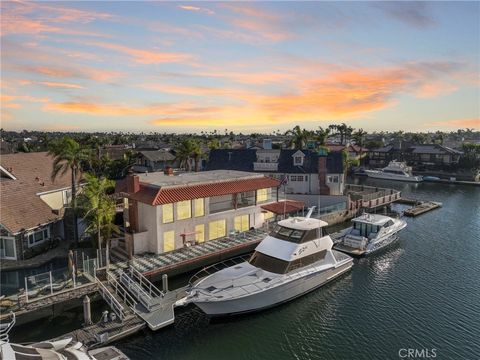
{"points": [[153, 160], [164, 212], [424, 155], [32, 206], [115, 152], [306, 171], [432, 155]]}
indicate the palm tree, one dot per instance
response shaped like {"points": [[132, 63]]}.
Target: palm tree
{"points": [[322, 135], [359, 137], [187, 150], [68, 155], [299, 137], [99, 209]]}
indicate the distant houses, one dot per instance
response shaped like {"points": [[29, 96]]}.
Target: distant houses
{"points": [[154, 160]]}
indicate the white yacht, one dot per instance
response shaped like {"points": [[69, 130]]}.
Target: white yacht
{"points": [[369, 233], [396, 170], [295, 258]]}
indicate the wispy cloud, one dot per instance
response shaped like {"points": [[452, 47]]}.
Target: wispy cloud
{"points": [[196, 9], [145, 56], [414, 13]]}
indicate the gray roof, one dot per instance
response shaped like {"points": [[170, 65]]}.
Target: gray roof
{"points": [[207, 177], [434, 149], [157, 155]]}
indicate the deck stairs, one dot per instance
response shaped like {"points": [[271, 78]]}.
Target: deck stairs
{"points": [[154, 306]]}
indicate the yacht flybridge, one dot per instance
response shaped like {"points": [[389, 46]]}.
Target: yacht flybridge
{"points": [[369, 233], [295, 258], [396, 170]]}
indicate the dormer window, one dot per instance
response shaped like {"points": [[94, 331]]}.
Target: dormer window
{"points": [[298, 158]]}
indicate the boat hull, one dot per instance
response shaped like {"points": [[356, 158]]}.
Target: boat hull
{"points": [[273, 296], [380, 175]]}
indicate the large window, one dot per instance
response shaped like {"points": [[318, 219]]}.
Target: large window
{"points": [[264, 195], [7, 248], [167, 213], [168, 241], [268, 263], [184, 210], [242, 223], [198, 207], [200, 233], [221, 203], [217, 229], [306, 260], [38, 237], [245, 199]]}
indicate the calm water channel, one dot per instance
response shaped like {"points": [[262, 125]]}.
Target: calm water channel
{"points": [[422, 293]]}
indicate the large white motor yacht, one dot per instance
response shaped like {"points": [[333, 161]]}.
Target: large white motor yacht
{"points": [[295, 258], [369, 233], [396, 170]]}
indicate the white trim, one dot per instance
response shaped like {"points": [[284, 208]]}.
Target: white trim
{"points": [[52, 191], [8, 173]]}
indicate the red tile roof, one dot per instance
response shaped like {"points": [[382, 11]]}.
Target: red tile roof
{"points": [[286, 206], [153, 195], [21, 207]]}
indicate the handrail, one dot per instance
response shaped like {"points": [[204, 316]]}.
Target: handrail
{"points": [[121, 292], [233, 261], [145, 283], [111, 300]]}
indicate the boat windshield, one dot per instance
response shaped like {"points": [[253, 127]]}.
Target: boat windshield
{"points": [[269, 263], [296, 236]]}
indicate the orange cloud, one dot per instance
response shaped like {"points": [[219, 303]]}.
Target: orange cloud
{"points": [[145, 56], [434, 89], [458, 123], [71, 72], [60, 85]]}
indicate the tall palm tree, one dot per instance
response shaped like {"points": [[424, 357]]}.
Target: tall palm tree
{"points": [[359, 137], [69, 155], [185, 151], [322, 135], [299, 137]]}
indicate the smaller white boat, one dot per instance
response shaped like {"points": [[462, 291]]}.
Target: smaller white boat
{"points": [[369, 233], [396, 170]]}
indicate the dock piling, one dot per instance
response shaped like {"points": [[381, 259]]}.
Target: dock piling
{"points": [[165, 283], [87, 313]]}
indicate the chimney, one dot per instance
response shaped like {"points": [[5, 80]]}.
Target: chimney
{"points": [[322, 175], [133, 183], [168, 171]]}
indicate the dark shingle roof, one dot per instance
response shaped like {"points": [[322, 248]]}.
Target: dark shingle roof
{"points": [[232, 159], [157, 155], [243, 159]]}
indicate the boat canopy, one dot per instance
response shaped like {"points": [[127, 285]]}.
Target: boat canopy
{"points": [[302, 223], [373, 219]]}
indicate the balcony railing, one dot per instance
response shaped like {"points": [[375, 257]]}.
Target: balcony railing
{"points": [[259, 166]]}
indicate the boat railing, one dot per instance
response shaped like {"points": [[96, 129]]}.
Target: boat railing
{"points": [[209, 270]]}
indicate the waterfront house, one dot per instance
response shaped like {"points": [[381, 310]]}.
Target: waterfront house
{"points": [[164, 212], [305, 171], [432, 155], [32, 205]]}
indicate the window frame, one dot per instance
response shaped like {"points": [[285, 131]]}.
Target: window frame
{"points": [[34, 233], [163, 213]]}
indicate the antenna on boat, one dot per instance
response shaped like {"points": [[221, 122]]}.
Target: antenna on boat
{"points": [[310, 211]]}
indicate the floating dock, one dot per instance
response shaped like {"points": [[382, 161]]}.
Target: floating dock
{"points": [[422, 208]]}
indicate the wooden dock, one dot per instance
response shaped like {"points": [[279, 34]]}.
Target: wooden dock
{"points": [[422, 208]]}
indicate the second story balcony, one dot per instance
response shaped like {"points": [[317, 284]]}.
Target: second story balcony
{"points": [[265, 166]]}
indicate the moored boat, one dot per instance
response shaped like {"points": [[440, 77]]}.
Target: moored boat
{"points": [[396, 170], [369, 233]]}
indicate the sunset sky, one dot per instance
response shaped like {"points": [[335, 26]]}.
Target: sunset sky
{"points": [[241, 66]]}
